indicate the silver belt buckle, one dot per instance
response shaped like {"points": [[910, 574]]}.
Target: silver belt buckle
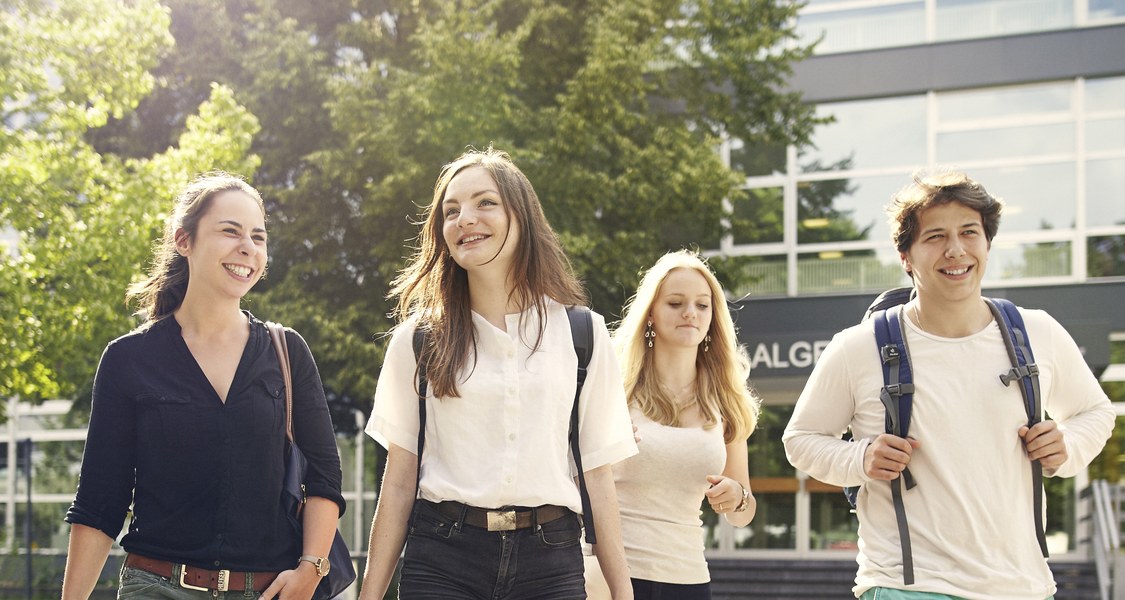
{"points": [[501, 520], [220, 585]]}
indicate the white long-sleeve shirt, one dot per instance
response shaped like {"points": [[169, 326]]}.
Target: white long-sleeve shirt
{"points": [[971, 514]]}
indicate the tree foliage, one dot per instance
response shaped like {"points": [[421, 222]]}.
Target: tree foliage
{"points": [[85, 219], [613, 109]]}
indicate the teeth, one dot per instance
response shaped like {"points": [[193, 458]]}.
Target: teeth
{"points": [[472, 238], [960, 271], [239, 270]]}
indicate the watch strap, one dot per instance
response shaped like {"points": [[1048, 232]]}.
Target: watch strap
{"points": [[320, 563]]}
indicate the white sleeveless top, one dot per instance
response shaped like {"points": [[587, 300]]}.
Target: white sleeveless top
{"points": [[660, 492]]}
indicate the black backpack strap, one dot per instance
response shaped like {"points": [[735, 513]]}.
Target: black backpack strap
{"points": [[582, 333], [897, 397], [1024, 369], [419, 345]]}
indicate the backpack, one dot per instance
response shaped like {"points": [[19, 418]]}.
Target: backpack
{"points": [[897, 396], [582, 334]]}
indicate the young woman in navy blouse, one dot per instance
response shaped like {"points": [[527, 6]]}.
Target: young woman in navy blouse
{"points": [[490, 285], [187, 426]]}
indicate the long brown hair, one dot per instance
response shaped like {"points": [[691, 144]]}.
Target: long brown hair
{"points": [[722, 370], [162, 292], [434, 290]]}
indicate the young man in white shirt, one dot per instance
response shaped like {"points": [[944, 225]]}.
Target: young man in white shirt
{"points": [[971, 521]]}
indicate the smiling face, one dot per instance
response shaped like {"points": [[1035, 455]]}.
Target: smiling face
{"points": [[476, 227], [681, 312], [227, 254], [949, 255]]}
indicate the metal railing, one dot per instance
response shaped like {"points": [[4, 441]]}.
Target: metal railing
{"points": [[1106, 517]]}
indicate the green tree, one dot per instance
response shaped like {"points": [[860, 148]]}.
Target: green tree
{"points": [[86, 220], [613, 110]]}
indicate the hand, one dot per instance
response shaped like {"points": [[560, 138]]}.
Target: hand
{"points": [[887, 456], [636, 436], [724, 495], [298, 583], [1045, 443]]}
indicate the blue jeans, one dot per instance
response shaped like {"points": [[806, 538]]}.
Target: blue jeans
{"points": [[655, 590], [446, 559], [879, 593], [142, 585]]}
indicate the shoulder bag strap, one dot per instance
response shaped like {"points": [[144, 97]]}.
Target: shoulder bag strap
{"points": [[277, 334]]}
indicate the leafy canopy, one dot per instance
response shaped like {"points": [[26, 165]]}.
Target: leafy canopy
{"points": [[86, 220]]}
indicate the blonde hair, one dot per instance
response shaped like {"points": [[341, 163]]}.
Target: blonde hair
{"points": [[721, 383], [434, 289]]}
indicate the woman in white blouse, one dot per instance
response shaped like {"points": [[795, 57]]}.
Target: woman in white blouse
{"points": [[686, 380], [494, 512]]}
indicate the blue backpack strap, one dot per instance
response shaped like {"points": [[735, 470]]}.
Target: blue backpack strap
{"points": [[1026, 372], [419, 345], [582, 334], [897, 396]]}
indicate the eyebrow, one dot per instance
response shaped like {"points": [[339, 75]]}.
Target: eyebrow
{"points": [[474, 195], [683, 295], [239, 225], [961, 226]]}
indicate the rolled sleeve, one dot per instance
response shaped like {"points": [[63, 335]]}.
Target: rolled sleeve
{"points": [[605, 430], [108, 475], [394, 416]]}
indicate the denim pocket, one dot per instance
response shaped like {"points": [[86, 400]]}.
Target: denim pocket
{"points": [[564, 532], [136, 583], [429, 522]]}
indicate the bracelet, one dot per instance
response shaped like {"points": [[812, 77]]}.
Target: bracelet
{"points": [[745, 499]]}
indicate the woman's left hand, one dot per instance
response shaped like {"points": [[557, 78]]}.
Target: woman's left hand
{"points": [[724, 494], [298, 583]]}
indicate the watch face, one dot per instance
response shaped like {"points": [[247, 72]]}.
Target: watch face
{"points": [[323, 567]]}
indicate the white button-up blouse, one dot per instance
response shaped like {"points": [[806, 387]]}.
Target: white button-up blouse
{"points": [[504, 441]]}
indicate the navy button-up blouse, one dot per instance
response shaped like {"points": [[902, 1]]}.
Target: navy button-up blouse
{"points": [[203, 477]]}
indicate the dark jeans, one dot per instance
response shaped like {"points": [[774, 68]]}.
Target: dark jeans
{"points": [[447, 559], [654, 590]]}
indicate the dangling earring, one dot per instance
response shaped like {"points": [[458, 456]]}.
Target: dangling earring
{"points": [[649, 334], [707, 343]]}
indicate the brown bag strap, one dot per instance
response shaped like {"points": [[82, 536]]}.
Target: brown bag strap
{"points": [[277, 334]]}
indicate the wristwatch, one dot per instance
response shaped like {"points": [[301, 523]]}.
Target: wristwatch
{"points": [[322, 565]]}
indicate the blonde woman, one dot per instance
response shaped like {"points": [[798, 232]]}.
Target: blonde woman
{"points": [[686, 381]]}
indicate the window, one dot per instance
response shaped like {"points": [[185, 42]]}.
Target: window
{"points": [[1057, 163], [868, 134], [893, 23], [961, 19]]}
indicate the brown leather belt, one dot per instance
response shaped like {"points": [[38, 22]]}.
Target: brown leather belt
{"points": [[501, 520], [194, 578]]}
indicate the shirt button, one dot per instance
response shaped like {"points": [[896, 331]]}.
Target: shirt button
{"points": [[217, 563], [512, 437]]}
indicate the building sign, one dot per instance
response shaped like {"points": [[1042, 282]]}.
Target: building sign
{"points": [[797, 355]]}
